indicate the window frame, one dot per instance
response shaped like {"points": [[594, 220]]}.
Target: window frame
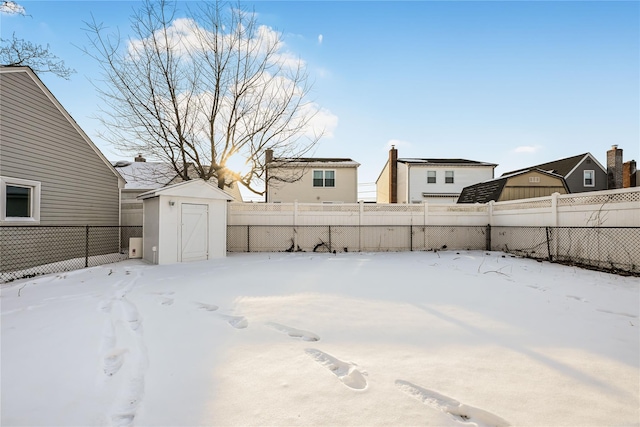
{"points": [[449, 179], [34, 200], [593, 178], [435, 177], [324, 178]]}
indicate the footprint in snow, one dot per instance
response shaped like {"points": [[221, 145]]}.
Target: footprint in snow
{"points": [[458, 411], [113, 361], [206, 307], [130, 314], [577, 298], [293, 332], [164, 298], [238, 322], [346, 372]]}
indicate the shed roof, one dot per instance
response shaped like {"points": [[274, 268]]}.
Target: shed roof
{"points": [[197, 188]]}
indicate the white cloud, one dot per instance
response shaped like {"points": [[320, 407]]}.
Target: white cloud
{"points": [[397, 143], [187, 37], [11, 8], [320, 37], [324, 121], [528, 149]]}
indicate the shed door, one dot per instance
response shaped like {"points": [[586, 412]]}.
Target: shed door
{"points": [[194, 237]]}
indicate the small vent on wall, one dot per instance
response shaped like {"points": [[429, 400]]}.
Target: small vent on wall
{"points": [[534, 179]]}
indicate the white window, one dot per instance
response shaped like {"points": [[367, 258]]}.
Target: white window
{"points": [[534, 179], [324, 178], [589, 178], [431, 177], [448, 177], [20, 200]]}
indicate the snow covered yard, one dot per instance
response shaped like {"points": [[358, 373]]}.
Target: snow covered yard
{"points": [[421, 338]]}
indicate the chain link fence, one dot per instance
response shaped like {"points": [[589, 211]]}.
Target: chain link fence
{"points": [[28, 251], [348, 238], [614, 249]]}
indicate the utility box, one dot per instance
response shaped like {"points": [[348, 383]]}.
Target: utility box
{"points": [[135, 247]]}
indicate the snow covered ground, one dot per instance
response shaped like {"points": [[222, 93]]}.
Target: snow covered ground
{"points": [[421, 338]]}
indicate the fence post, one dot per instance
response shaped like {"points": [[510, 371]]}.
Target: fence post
{"points": [[425, 207], [490, 211], [361, 202], [554, 209], [330, 239], [248, 238], [488, 238], [86, 247], [411, 238], [548, 244], [295, 224]]}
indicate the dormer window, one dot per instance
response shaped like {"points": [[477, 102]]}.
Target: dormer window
{"points": [[589, 178]]}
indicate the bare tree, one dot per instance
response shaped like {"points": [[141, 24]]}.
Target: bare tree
{"points": [[17, 52], [202, 91]]}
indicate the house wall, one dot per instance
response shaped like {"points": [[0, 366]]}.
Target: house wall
{"points": [[519, 187], [38, 143], [575, 179], [463, 177], [403, 183], [382, 185], [302, 190]]}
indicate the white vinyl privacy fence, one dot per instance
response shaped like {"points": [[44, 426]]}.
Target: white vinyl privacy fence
{"points": [[613, 208], [600, 229]]}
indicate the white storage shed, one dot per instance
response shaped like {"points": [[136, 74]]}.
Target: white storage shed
{"points": [[184, 222]]}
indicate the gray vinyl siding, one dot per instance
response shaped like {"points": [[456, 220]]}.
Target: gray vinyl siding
{"points": [[38, 143], [575, 180]]}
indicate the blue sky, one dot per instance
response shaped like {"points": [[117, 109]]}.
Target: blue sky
{"points": [[513, 83]]}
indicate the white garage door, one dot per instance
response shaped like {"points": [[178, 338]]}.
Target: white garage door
{"points": [[195, 234]]}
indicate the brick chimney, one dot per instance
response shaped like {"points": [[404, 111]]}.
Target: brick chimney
{"points": [[629, 174], [614, 168], [393, 175], [139, 158]]}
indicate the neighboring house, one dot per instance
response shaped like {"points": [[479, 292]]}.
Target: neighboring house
{"points": [[581, 173], [50, 171], [311, 180], [524, 184], [143, 176], [409, 180]]}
